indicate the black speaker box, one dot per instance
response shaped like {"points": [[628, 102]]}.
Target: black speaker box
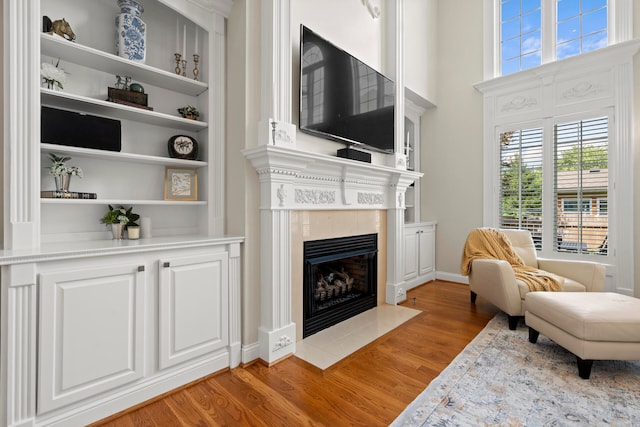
{"points": [[80, 130], [350, 153]]}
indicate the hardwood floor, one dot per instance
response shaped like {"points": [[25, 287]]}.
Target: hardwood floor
{"points": [[369, 388]]}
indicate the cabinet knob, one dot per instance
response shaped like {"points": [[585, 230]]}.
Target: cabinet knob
{"points": [[166, 264], [141, 268]]}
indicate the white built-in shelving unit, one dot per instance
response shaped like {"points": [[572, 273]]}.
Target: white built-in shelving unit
{"points": [[91, 325], [135, 176]]}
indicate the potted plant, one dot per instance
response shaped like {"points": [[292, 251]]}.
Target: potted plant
{"points": [[61, 172], [119, 218], [189, 112]]}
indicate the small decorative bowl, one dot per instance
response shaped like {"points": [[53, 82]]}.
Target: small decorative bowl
{"points": [[136, 87]]}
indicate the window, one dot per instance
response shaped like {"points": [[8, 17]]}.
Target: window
{"points": [[521, 31], [521, 180], [580, 184], [571, 205], [572, 27], [581, 174], [581, 105], [602, 206]]}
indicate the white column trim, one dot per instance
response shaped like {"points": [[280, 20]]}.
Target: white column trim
{"points": [[216, 156], [19, 334], [235, 305], [623, 186], [21, 88]]}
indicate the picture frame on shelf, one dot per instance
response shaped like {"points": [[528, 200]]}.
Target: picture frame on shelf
{"points": [[180, 184]]}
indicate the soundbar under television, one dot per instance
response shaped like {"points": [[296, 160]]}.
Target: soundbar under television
{"points": [[342, 98]]}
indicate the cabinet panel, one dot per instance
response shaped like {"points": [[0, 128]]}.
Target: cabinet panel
{"points": [[419, 254], [92, 320], [427, 243], [193, 307], [410, 253]]}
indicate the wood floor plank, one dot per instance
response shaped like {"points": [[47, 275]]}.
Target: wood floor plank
{"points": [[230, 407], [307, 389], [370, 388]]}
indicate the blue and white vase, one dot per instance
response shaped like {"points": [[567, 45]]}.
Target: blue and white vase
{"points": [[131, 31]]}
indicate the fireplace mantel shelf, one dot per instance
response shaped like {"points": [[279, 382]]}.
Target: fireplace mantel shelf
{"points": [[318, 181]]}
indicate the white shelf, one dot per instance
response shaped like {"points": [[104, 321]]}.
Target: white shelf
{"points": [[67, 100], [120, 157], [58, 47], [49, 201]]}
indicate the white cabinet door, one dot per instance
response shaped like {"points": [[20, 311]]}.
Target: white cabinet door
{"points": [[411, 240], [193, 310], [91, 332], [427, 237]]}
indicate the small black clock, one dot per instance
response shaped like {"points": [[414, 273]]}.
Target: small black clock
{"points": [[183, 147]]}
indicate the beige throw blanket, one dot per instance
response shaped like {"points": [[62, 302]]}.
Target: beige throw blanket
{"points": [[494, 244]]}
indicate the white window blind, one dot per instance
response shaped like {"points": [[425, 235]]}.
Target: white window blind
{"points": [[521, 181], [581, 186]]}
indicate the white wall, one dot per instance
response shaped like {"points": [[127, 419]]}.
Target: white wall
{"points": [[451, 190], [420, 45]]}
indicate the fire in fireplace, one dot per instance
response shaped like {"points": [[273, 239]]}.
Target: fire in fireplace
{"points": [[340, 280]]}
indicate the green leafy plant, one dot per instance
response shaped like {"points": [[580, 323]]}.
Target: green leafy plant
{"points": [[120, 216], [59, 167], [189, 110]]}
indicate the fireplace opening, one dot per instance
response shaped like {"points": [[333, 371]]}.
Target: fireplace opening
{"points": [[340, 280]]}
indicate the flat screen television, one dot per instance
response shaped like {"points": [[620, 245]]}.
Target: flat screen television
{"points": [[342, 98]]}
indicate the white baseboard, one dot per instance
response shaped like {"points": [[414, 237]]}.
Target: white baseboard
{"points": [[250, 352], [452, 277], [102, 406]]}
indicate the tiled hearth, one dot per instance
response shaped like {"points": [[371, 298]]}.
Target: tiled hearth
{"points": [[328, 347], [309, 196]]}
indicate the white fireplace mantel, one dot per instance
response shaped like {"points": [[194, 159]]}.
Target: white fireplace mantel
{"points": [[292, 179], [298, 180]]}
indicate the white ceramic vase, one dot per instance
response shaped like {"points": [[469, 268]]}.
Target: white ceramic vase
{"points": [[131, 31]]}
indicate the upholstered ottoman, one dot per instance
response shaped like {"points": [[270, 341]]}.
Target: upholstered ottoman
{"points": [[591, 325]]}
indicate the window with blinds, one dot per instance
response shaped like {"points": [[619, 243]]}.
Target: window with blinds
{"points": [[581, 183], [521, 181]]}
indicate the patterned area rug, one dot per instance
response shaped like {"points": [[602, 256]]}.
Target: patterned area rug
{"points": [[500, 378]]}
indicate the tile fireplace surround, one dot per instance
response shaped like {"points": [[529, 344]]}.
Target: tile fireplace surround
{"points": [[308, 196], [317, 225]]}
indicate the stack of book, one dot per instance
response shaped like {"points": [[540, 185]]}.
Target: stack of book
{"points": [[67, 195]]}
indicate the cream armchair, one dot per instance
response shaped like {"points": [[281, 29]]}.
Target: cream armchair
{"points": [[495, 281]]}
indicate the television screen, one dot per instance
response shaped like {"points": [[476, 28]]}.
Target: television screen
{"points": [[341, 98]]}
